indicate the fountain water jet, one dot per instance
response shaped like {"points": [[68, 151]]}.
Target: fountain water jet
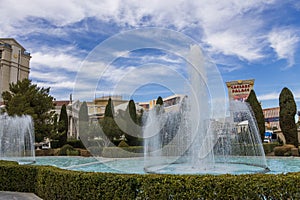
{"points": [[17, 139], [198, 137]]}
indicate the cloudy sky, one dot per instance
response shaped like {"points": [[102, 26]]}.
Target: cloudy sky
{"points": [[258, 39]]}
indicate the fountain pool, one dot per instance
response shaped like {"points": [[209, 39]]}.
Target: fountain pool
{"points": [[277, 165]]}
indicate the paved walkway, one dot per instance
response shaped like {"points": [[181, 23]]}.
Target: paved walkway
{"points": [[18, 196]]}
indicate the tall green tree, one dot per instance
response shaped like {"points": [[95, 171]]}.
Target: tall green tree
{"points": [[133, 130], [159, 101], [25, 98], [287, 114], [83, 118], [258, 113], [108, 124], [109, 109], [63, 125]]}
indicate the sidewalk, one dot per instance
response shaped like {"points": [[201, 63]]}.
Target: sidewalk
{"points": [[18, 196]]}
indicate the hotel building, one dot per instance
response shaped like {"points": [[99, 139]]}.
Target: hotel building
{"points": [[14, 63]]}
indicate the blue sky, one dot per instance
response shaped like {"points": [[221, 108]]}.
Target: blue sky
{"points": [[257, 39]]}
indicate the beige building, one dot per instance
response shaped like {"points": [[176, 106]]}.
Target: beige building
{"points": [[272, 118], [14, 63], [239, 90]]}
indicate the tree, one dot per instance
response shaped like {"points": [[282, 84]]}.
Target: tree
{"points": [[83, 118], [108, 124], [258, 113], [109, 109], [133, 130], [287, 116], [159, 101], [63, 126], [25, 98]]}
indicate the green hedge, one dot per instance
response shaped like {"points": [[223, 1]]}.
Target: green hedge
{"points": [[54, 183], [269, 147], [124, 152], [76, 143]]}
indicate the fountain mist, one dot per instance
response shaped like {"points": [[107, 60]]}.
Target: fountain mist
{"points": [[17, 139]]}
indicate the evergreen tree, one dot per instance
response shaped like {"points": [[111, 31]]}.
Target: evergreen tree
{"points": [[83, 119], [63, 125], [133, 129], [159, 101], [287, 116], [108, 124], [25, 98], [109, 109], [132, 111], [258, 113]]}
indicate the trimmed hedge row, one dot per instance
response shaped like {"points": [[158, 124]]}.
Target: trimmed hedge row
{"points": [[54, 183], [123, 152]]}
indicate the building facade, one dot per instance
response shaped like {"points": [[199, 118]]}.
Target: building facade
{"points": [[272, 118], [239, 90], [14, 63]]}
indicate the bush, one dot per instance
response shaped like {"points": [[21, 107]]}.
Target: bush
{"points": [[76, 143], [95, 150], [55, 144], [123, 144], [125, 152], [269, 147], [284, 150], [68, 150], [54, 183]]}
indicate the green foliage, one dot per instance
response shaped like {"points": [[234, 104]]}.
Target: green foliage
{"points": [[269, 147], [287, 114], [76, 143], [63, 125], [83, 118], [124, 152], [285, 150], [68, 150], [133, 130], [110, 128], [109, 109], [123, 144], [258, 113], [95, 150], [159, 101], [53, 183], [25, 98]]}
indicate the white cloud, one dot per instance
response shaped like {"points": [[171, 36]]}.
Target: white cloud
{"points": [[55, 61], [284, 42], [228, 25], [269, 96]]}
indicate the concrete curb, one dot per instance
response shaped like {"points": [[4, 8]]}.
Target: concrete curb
{"points": [[5, 195]]}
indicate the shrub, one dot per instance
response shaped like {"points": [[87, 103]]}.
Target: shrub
{"points": [[269, 147], [76, 143], [54, 183], [68, 150], [284, 150], [125, 152], [95, 150], [55, 144], [123, 144]]}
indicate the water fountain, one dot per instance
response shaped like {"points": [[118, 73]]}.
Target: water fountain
{"points": [[232, 146], [202, 135], [17, 139], [193, 139]]}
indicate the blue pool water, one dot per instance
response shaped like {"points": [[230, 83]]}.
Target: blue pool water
{"points": [[277, 165]]}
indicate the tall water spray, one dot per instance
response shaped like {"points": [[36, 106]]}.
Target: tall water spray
{"points": [[198, 137], [17, 139]]}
